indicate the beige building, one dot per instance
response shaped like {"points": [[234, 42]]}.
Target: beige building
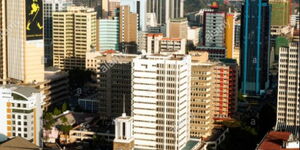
{"points": [[114, 80], [202, 106], [128, 30], [178, 28], [288, 106], [56, 87], [109, 7], [74, 34], [3, 60], [157, 44], [25, 44], [173, 45]]}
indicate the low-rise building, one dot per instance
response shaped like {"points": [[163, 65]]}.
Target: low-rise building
{"points": [[56, 87], [21, 112]]}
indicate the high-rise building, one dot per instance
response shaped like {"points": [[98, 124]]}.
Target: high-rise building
{"points": [[138, 7], [229, 35], [166, 9], [3, 71], [124, 133], [74, 34], [25, 43], [161, 101], [51, 6], [114, 80], [108, 34], [109, 8], [225, 92], [202, 106], [214, 28], [177, 28], [288, 104], [280, 12], [128, 30], [255, 47], [21, 112]]}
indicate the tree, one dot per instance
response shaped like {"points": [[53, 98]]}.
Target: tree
{"points": [[49, 121], [64, 107], [56, 111], [64, 120]]}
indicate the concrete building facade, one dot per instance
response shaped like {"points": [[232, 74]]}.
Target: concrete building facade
{"points": [[288, 105], [74, 34], [21, 113], [161, 101]]}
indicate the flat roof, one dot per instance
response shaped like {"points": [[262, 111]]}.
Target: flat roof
{"points": [[24, 90], [274, 141]]}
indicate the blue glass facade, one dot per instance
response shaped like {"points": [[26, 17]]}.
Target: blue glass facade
{"points": [[255, 47]]}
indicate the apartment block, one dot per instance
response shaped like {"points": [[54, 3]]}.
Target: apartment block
{"points": [[214, 29], [161, 101], [128, 30], [225, 89], [74, 34], [202, 101], [288, 105], [21, 112]]}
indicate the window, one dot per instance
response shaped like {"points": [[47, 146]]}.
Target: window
{"points": [[25, 123], [19, 129], [25, 135], [19, 122], [19, 117]]}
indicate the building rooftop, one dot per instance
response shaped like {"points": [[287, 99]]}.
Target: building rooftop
{"points": [[190, 145], [24, 90], [18, 143], [275, 140]]}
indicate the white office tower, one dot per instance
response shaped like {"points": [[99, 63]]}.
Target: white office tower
{"points": [[161, 101], [288, 101], [21, 113]]}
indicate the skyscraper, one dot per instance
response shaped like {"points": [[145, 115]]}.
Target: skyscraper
{"points": [[140, 8], [51, 6], [3, 29], [25, 43], [108, 34], [128, 30], [255, 47], [74, 34], [160, 101], [165, 9], [288, 100]]}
